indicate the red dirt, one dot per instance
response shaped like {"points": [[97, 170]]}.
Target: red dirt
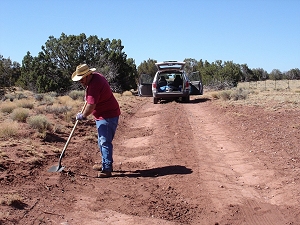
{"points": [[175, 163]]}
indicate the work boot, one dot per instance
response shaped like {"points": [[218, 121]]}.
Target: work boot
{"points": [[97, 167], [104, 174]]}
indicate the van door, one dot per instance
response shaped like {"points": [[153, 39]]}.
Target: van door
{"points": [[145, 85], [195, 83]]}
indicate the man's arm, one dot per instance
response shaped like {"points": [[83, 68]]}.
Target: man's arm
{"points": [[88, 110]]}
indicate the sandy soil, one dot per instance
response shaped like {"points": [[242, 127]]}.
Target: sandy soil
{"points": [[194, 163]]}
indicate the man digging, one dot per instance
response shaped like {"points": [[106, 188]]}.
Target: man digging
{"points": [[102, 104]]}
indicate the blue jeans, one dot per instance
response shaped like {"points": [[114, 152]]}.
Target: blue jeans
{"points": [[106, 131]]}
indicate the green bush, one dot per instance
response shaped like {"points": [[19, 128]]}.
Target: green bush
{"points": [[39, 122]]}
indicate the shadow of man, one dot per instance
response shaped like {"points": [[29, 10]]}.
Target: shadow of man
{"points": [[155, 172]]}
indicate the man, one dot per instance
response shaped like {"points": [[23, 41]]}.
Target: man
{"points": [[105, 109]]}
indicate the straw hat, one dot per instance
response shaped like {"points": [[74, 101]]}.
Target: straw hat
{"points": [[82, 71]]}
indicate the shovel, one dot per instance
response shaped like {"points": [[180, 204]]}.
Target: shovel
{"points": [[60, 168]]}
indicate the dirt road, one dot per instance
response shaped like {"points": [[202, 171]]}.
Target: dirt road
{"points": [[195, 163]]}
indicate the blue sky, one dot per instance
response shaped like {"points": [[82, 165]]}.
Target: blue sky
{"points": [[261, 33]]}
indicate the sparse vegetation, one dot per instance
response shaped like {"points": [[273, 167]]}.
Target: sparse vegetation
{"points": [[9, 96], [48, 100], [225, 95], [8, 129], [127, 93], [58, 109], [19, 114], [117, 95], [239, 94], [232, 94], [76, 94], [8, 107], [25, 103], [39, 122], [39, 97]]}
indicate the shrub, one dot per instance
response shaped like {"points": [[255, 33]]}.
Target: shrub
{"points": [[25, 103], [8, 107], [8, 129], [58, 109], [53, 94], [239, 94], [117, 95], [39, 122], [20, 96], [20, 114], [77, 94], [215, 95], [225, 95], [49, 100], [11, 97], [65, 100], [127, 93], [39, 97]]}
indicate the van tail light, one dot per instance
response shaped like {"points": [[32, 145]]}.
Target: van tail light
{"points": [[154, 85], [187, 84]]}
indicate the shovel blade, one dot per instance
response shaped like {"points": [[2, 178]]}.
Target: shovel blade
{"points": [[56, 169]]}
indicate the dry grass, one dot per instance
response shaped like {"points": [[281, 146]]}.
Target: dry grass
{"points": [[127, 93], [271, 85], [8, 107], [286, 95], [8, 129], [57, 109], [25, 103], [19, 114], [77, 95], [39, 122]]}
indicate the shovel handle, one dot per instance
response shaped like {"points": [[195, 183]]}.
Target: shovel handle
{"points": [[70, 136]]}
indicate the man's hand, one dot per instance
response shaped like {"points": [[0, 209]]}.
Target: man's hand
{"points": [[79, 116]]}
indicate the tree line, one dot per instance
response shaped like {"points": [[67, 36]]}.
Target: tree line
{"points": [[224, 74], [51, 69]]}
